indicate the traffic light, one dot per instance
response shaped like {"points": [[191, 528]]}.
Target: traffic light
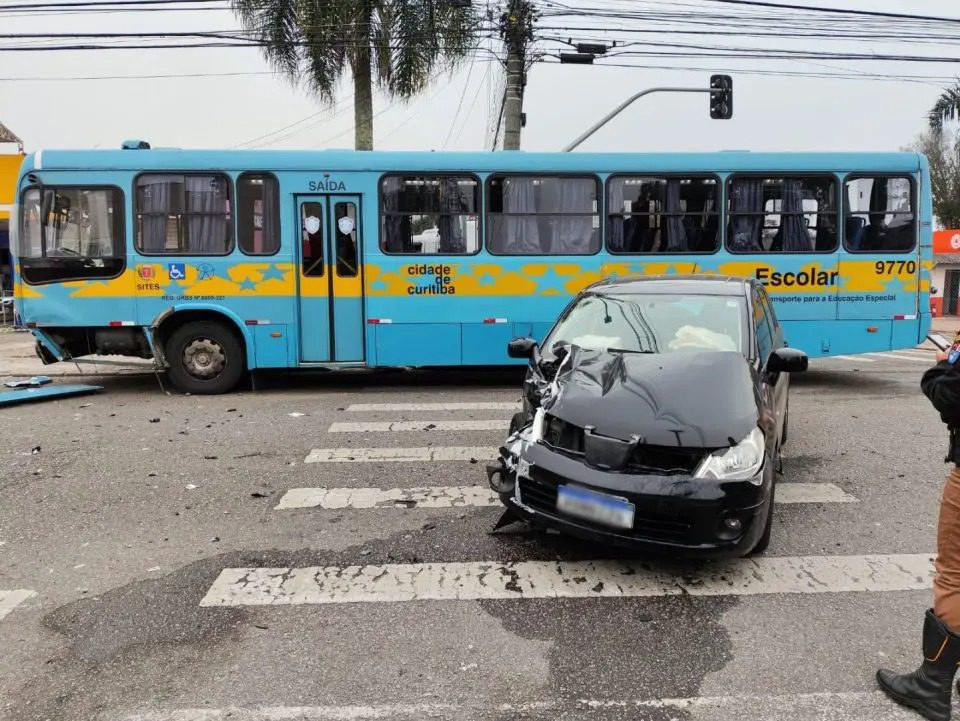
{"points": [[721, 97]]}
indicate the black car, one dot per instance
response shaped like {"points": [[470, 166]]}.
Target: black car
{"points": [[653, 417]]}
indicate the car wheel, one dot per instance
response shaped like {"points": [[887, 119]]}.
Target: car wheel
{"points": [[764, 541], [206, 358]]}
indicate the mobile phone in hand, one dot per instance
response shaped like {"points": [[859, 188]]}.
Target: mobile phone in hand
{"points": [[939, 341]]}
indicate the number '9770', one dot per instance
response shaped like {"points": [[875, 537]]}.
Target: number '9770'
{"points": [[889, 267]]}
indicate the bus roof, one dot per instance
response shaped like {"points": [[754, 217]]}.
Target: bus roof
{"points": [[425, 161]]}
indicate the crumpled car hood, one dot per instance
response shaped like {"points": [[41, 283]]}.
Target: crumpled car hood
{"points": [[698, 399]]}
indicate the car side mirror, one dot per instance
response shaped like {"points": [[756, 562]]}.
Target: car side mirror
{"points": [[521, 348], [787, 360]]}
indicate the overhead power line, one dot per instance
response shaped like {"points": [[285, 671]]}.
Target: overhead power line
{"points": [[839, 11]]}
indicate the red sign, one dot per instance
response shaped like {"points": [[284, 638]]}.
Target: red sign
{"points": [[946, 241], [145, 271]]}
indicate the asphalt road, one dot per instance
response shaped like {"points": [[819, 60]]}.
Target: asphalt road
{"points": [[125, 529]]}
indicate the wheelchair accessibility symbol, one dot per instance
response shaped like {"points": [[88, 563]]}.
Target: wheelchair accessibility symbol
{"points": [[177, 271]]}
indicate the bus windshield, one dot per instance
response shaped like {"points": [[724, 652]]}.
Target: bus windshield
{"points": [[652, 324]]}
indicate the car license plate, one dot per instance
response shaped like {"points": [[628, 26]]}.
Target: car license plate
{"points": [[596, 507]]}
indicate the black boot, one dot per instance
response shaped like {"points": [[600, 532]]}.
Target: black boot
{"points": [[927, 690]]}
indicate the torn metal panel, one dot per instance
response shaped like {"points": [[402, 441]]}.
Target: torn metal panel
{"points": [[29, 395]]}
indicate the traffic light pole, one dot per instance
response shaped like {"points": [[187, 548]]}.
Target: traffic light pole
{"points": [[624, 105]]}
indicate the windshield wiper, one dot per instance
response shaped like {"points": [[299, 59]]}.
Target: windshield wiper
{"points": [[628, 350]]}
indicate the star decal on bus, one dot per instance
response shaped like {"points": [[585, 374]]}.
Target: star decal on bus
{"points": [[247, 284], [272, 272], [173, 288], [552, 283]]}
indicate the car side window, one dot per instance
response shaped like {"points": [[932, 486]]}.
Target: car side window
{"points": [[763, 329], [771, 316]]}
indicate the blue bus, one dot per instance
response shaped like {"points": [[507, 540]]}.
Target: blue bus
{"points": [[215, 263]]}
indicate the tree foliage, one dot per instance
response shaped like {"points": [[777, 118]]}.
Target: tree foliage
{"points": [[397, 45], [946, 108], [943, 152]]}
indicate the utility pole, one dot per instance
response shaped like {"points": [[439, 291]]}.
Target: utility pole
{"points": [[516, 27]]}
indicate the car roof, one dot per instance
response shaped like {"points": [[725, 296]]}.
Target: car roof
{"points": [[672, 284]]}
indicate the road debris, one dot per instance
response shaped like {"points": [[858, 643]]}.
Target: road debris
{"points": [[33, 382]]}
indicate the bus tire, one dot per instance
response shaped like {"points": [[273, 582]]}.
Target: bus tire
{"points": [[205, 357]]}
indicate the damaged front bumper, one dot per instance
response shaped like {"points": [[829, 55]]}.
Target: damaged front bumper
{"points": [[672, 513]]}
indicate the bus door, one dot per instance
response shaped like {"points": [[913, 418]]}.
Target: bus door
{"points": [[330, 279]]}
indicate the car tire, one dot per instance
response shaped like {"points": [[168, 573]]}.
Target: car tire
{"points": [[764, 541], [205, 357]]}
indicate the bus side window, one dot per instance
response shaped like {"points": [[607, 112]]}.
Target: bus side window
{"points": [[879, 215], [71, 233], [662, 215], [543, 215], [183, 214], [429, 214], [782, 214], [345, 217], [258, 217], [311, 228]]}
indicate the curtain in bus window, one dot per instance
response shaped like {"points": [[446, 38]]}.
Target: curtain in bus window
{"points": [[676, 233], [574, 233], [30, 236], [449, 221], [617, 219], [154, 209], [793, 229], [746, 209], [98, 242], [394, 239], [519, 233], [271, 217], [206, 219]]}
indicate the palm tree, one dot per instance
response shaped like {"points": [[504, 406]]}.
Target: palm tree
{"points": [[946, 108], [398, 43]]}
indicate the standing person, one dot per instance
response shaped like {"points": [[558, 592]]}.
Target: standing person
{"points": [[928, 689]]}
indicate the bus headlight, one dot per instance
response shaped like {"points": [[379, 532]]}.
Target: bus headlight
{"points": [[741, 462]]}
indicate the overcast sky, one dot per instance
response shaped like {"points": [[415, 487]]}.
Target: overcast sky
{"points": [[771, 112]]}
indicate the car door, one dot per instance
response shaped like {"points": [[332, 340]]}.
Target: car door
{"points": [[769, 329], [763, 337]]}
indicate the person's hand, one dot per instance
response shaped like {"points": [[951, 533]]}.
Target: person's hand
{"points": [[941, 355]]}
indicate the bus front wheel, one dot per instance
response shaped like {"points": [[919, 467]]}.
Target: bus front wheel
{"points": [[205, 357]]}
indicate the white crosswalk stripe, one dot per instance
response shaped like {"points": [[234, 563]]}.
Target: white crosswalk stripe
{"points": [[849, 706], [476, 580], [854, 359], [477, 496], [495, 424], [897, 356], [458, 406], [9, 600], [398, 455], [912, 355]]}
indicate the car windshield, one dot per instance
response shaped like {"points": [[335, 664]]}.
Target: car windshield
{"points": [[652, 324]]}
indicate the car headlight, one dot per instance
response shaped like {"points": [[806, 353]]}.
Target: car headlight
{"points": [[741, 462]]}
